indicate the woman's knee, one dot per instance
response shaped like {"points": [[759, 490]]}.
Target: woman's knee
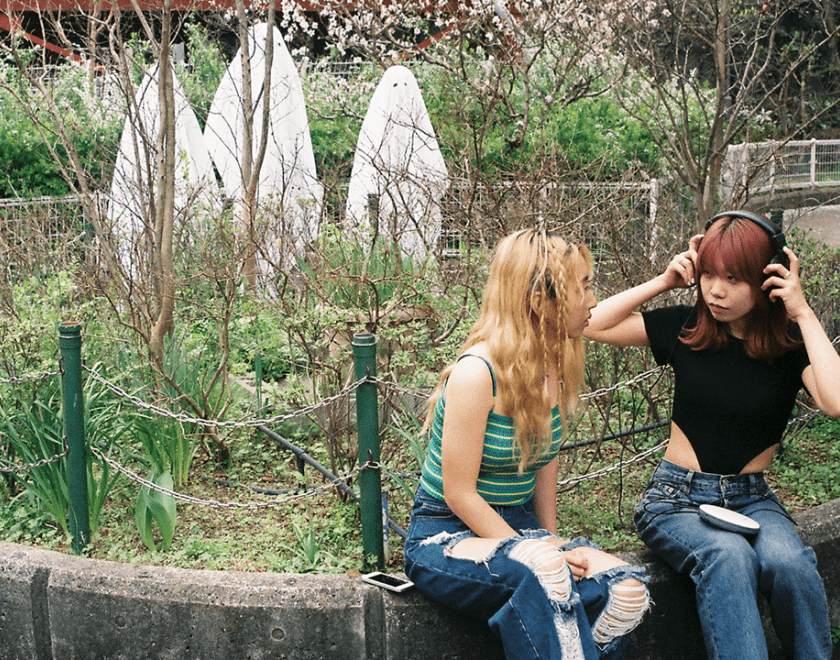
{"points": [[547, 564], [627, 603], [794, 566]]}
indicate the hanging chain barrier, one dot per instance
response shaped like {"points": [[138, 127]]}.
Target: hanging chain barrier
{"points": [[274, 503], [15, 380], [17, 469], [215, 423], [641, 456], [387, 385]]}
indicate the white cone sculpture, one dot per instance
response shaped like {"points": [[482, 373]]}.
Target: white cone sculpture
{"points": [[134, 180], [288, 187], [398, 175]]}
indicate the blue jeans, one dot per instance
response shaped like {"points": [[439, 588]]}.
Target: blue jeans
{"points": [[511, 595], [730, 569]]}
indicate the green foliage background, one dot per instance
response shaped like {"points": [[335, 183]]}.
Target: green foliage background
{"points": [[594, 130], [303, 334]]}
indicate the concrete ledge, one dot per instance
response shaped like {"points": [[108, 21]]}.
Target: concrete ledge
{"points": [[59, 606]]}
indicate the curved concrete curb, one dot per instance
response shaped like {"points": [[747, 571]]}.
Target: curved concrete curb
{"points": [[59, 606]]}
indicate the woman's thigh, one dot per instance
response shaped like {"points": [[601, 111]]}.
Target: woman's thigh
{"points": [[669, 522]]}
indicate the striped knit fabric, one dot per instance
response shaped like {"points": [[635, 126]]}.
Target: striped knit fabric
{"points": [[499, 482]]}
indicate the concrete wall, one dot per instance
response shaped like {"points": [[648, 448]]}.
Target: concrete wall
{"points": [[58, 606]]}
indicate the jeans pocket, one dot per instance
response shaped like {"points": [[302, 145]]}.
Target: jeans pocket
{"points": [[769, 500], [658, 498], [430, 517]]}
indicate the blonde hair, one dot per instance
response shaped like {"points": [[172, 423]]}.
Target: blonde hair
{"points": [[529, 264]]}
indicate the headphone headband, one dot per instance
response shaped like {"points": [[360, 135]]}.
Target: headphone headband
{"points": [[760, 220], [777, 237]]}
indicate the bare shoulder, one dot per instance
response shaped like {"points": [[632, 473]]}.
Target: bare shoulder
{"points": [[471, 377], [471, 370]]}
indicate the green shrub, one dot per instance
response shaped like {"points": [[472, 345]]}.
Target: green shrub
{"points": [[206, 67], [28, 168], [91, 121], [32, 423]]}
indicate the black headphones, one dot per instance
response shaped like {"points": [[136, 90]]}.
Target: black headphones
{"points": [[777, 237]]}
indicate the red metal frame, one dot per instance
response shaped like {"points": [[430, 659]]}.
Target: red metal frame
{"points": [[9, 8], [8, 23]]}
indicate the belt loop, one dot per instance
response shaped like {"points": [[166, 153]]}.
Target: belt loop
{"points": [[689, 477]]}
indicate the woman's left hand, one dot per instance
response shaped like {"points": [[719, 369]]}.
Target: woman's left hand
{"points": [[784, 284]]}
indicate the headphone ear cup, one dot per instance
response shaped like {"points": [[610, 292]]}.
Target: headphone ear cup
{"points": [[780, 258], [779, 255]]}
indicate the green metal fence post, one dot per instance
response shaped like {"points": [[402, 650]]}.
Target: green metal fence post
{"points": [[367, 419], [258, 378], [70, 343]]}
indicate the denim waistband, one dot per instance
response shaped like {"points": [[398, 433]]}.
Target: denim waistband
{"points": [[725, 485]]}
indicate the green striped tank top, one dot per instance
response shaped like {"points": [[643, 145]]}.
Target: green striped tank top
{"points": [[499, 481]]}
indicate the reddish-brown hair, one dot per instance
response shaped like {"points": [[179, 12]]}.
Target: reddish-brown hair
{"points": [[742, 249]]}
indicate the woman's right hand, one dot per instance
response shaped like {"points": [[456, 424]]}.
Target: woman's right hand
{"points": [[577, 562], [681, 271]]}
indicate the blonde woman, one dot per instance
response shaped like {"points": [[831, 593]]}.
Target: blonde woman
{"points": [[483, 532]]}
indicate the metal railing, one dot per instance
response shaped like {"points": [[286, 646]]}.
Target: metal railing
{"points": [[767, 167]]}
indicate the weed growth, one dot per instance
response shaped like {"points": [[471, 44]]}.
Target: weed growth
{"points": [[32, 432]]}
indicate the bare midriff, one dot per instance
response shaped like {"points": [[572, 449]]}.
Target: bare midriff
{"points": [[681, 452]]}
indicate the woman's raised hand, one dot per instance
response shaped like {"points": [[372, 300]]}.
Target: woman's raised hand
{"points": [[784, 284], [681, 271]]}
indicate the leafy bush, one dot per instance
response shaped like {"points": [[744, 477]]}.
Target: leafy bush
{"points": [[28, 167], [592, 135], [91, 119], [820, 277], [206, 67], [33, 433], [336, 105]]}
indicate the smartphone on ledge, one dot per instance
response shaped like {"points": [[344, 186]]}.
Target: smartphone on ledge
{"points": [[389, 582]]}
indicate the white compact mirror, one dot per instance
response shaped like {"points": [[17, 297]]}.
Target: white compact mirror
{"points": [[728, 520]]}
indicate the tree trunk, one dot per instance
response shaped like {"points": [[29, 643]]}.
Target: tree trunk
{"points": [[708, 189], [164, 269]]}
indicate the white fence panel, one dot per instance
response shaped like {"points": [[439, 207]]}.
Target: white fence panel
{"points": [[754, 168]]}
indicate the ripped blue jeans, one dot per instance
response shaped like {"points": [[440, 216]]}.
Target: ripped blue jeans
{"points": [[730, 570], [535, 613]]}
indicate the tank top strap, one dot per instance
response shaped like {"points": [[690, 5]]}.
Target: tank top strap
{"points": [[489, 366]]}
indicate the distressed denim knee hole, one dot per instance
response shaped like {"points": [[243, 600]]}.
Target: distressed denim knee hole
{"points": [[628, 602], [547, 564], [549, 567]]}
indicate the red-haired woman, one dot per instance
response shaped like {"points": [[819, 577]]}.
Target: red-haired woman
{"points": [[739, 356]]}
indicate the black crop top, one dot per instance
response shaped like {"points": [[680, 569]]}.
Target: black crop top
{"points": [[731, 407]]}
